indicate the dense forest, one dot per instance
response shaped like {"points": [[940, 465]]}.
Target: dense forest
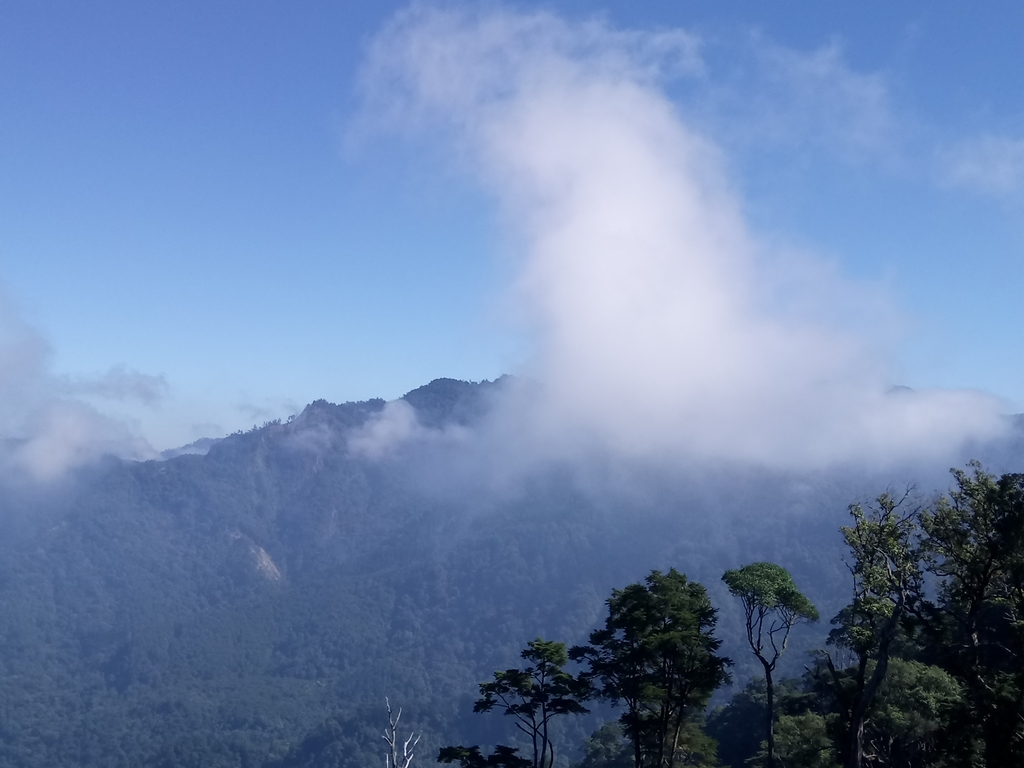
{"points": [[255, 605], [909, 676]]}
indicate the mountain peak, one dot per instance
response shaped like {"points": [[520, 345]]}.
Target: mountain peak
{"points": [[452, 400]]}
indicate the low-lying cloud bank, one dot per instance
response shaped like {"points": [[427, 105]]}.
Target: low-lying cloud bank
{"points": [[663, 327], [47, 422]]}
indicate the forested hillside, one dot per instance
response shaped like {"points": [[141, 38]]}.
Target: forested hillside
{"points": [[253, 606]]}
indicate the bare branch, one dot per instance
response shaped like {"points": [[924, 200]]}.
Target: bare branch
{"points": [[393, 759]]}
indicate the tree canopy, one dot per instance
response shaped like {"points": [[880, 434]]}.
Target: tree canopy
{"points": [[657, 656], [772, 606]]}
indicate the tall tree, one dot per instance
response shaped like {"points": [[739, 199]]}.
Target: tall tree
{"points": [[535, 695], [772, 606], [887, 583], [975, 544], [657, 655]]}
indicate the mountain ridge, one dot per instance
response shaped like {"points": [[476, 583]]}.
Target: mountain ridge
{"points": [[137, 627]]}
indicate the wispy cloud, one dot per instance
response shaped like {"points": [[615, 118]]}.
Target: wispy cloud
{"points": [[47, 425], [660, 325], [815, 98], [395, 425], [510, 52], [119, 383], [989, 164]]}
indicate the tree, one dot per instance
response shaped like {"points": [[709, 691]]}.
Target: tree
{"points": [[772, 606], [910, 715], [656, 655], [533, 696], [394, 759], [733, 726], [606, 748], [974, 542], [470, 757], [804, 742], [887, 584]]}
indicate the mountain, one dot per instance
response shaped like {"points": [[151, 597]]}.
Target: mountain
{"points": [[198, 447], [253, 604]]}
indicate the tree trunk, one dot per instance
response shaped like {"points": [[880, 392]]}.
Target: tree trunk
{"points": [[544, 742], [635, 737], [771, 715], [855, 756], [675, 741]]}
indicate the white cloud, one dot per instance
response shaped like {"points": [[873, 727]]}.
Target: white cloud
{"points": [[660, 328], [385, 431], [61, 434], [395, 427], [991, 164], [815, 97], [46, 425], [122, 384], [507, 51]]}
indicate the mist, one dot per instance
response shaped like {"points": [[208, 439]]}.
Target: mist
{"points": [[663, 328], [48, 422]]}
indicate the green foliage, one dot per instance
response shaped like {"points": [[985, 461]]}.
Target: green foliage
{"points": [[913, 682], [802, 741], [535, 695], [470, 757], [657, 655], [768, 589], [910, 719], [908, 723], [908, 681], [887, 585], [772, 606], [886, 568], [606, 748], [695, 747], [974, 543], [737, 726]]}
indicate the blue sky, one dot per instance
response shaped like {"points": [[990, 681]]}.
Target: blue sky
{"points": [[183, 194]]}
